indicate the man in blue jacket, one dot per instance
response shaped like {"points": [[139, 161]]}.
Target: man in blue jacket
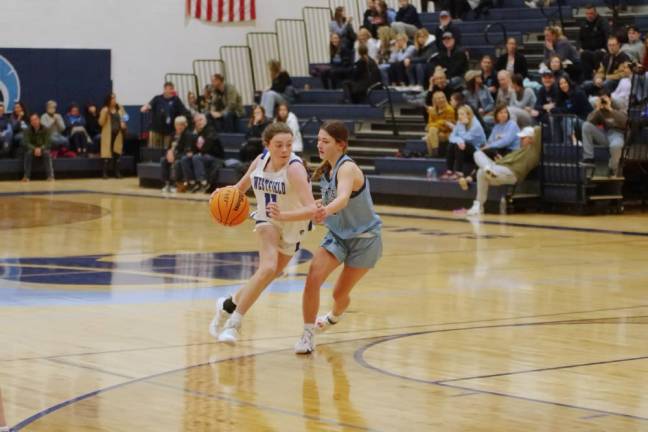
{"points": [[407, 19]]}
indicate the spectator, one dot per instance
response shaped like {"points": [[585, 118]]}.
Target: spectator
{"points": [[547, 98], [466, 137], [113, 127], [453, 59], [455, 8], [621, 95], [366, 39], [522, 98], [503, 138], [441, 119], [418, 66], [76, 131], [375, 17], [595, 88], [365, 74], [164, 109], [489, 75], [53, 122], [285, 116], [512, 60], [604, 126], [386, 44], [634, 48], [6, 134], [401, 52], [611, 64], [557, 44], [342, 26], [226, 105], [193, 105], [476, 95], [439, 82], [37, 143], [205, 99], [183, 140], [505, 90], [341, 64], [207, 156], [281, 89], [253, 145], [511, 169], [19, 123], [572, 99], [556, 67], [446, 25], [91, 118], [407, 19], [593, 35]]}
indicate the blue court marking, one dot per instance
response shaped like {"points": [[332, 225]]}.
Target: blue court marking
{"points": [[359, 358]]}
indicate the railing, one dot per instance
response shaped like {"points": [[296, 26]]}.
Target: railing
{"points": [[389, 101], [550, 17], [238, 68], [491, 26], [204, 69], [263, 48]]}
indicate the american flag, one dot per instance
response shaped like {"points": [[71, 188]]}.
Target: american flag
{"points": [[222, 10]]}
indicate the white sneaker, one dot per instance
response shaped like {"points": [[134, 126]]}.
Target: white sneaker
{"points": [[531, 4], [475, 210], [219, 318], [322, 323], [166, 189], [306, 344], [230, 333]]}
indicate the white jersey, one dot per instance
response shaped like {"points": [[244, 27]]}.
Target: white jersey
{"points": [[275, 187]]}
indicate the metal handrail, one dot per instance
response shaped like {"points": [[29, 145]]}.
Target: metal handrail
{"points": [[560, 4], [488, 29], [379, 86]]}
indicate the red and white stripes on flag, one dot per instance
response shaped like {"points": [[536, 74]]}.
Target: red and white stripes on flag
{"points": [[222, 10]]}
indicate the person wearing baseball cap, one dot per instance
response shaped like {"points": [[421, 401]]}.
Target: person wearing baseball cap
{"points": [[508, 170], [453, 59], [446, 26]]}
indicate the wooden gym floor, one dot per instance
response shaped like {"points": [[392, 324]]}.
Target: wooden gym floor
{"points": [[517, 323]]}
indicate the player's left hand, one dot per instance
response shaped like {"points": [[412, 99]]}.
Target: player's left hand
{"points": [[272, 210]]}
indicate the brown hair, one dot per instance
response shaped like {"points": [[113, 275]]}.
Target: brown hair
{"points": [[338, 131], [275, 68], [273, 130], [339, 15], [501, 107]]}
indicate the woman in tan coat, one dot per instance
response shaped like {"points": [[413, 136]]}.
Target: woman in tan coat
{"points": [[111, 120]]}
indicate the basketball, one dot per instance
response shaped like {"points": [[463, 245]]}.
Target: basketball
{"points": [[229, 206]]}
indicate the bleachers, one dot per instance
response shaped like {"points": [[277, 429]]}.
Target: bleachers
{"points": [[12, 169]]}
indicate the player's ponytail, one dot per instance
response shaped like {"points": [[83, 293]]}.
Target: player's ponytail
{"points": [[338, 131]]}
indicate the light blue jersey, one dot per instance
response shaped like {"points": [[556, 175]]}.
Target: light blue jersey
{"points": [[358, 218]]}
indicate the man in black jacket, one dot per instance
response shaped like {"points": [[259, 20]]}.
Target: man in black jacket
{"points": [[593, 35], [183, 143], [407, 19], [164, 109], [547, 97], [453, 59], [446, 25], [208, 156]]}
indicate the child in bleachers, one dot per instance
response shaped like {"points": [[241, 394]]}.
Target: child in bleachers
{"points": [[285, 116], [466, 137]]}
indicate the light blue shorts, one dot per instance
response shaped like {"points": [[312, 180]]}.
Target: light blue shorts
{"points": [[359, 252]]}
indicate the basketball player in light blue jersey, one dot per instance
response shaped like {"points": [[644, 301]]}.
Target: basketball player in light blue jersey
{"points": [[354, 236]]}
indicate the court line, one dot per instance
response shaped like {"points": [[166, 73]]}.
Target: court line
{"points": [[359, 358]]}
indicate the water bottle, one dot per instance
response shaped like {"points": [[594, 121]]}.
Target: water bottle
{"points": [[125, 118], [431, 173], [502, 206]]}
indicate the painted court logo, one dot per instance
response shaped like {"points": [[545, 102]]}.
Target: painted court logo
{"points": [[9, 84]]}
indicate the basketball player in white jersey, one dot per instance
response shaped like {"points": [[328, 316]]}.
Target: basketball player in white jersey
{"points": [[285, 206]]}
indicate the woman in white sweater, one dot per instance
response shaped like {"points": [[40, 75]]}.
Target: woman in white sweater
{"points": [[285, 116]]}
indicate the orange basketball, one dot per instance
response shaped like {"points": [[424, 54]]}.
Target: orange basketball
{"points": [[229, 206]]}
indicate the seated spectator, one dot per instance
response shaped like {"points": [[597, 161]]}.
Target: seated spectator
{"points": [[457, 100], [193, 105], [375, 17], [446, 25], [489, 75], [365, 74], [418, 66], [547, 98], [453, 59], [402, 50], [391, 12], [6, 134], [342, 26], [208, 155], [512, 60], [508, 170], [621, 95], [341, 64], [556, 67], [593, 35], [386, 41], [55, 125], [76, 131], [611, 64], [183, 141], [478, 96], [112, 120], [604, 126], [226, 105], [441, 120], [503, 138], [634, 48], [164, 109], [557, 44], [285, 116], [253, 145], [572, 99], [19, 123], [596, 87], [505, 88], [37, 144], [457, 9], [91, 118], [205, 99], [366, 39], [439, 82], [281, 89], [407, 19], [466, 137], [523, 99]]}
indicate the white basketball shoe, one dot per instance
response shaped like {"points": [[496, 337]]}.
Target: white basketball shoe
{"points": [[219, 318], [306, 344]]}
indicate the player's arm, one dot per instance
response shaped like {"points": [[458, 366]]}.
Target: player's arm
{"points": [[298, 178], [346, 177]]}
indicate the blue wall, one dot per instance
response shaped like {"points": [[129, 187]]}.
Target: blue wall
{"points": [[64, 75]]}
